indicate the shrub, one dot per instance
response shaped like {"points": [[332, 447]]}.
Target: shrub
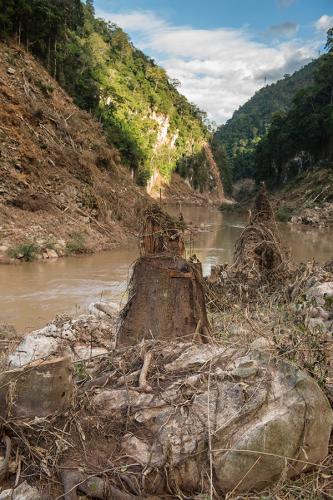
{"points": [[25, 251], [283, 214], [76, 244]]}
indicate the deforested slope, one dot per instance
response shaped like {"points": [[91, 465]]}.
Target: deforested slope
{"points": [[63, 188]]}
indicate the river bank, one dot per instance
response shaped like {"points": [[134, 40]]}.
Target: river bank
{"points": [[305, 201], [242, 392], [34, 292], [269, 353]]}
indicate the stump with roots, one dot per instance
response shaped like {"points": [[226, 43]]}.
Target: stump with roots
{"points": [[259, 251], [166, 297]]}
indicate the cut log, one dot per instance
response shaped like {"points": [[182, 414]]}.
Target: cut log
{"points": [[38, 389]]}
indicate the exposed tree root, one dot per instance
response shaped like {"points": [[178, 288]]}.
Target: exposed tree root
{"points": [[5, 463]]}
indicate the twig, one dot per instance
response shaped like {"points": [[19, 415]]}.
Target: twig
{"points": [[210, 435], [143, 384]]}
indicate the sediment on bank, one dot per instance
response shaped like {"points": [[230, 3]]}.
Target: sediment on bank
{"points": [[306, 200]]}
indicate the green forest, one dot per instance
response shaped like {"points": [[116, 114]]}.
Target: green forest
{"points": [[285, 127], [302, 137], [144, 115], [242, 133]]}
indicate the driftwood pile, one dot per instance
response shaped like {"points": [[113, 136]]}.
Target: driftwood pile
{"points": [[160, 232], [259, 251]]}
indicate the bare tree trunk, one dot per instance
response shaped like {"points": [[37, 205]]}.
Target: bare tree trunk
{"points": [[19, 32]]}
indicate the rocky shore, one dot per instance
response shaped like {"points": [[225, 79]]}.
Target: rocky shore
{"points": [[228, 391], [319, 217], [242, 392]]}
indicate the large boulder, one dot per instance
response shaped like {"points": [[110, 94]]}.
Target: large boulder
{"points": [[255, 418], [178, 415]]}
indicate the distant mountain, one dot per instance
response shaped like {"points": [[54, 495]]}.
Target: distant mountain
{"points": [[241, 134]]}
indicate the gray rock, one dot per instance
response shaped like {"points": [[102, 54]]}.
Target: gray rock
{"points": [[23, 492], [320, 292], [11, 71], [277, 423]]}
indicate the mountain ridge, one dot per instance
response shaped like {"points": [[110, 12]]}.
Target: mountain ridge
{"points": [[241, 133]]}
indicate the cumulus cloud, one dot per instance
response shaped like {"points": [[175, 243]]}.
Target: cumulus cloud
{"points": [[324, 23], [219, 69], [287, 29]]}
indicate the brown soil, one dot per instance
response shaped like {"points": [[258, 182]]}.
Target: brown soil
{"points": [[179, 191], [58, 176], [308, 200]]}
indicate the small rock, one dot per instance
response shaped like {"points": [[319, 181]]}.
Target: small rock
{"points": [[320, 292], [11, 71], [23, 492], [51, 254]]}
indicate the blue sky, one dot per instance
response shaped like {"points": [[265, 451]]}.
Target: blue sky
{"points": [[222, 51]]}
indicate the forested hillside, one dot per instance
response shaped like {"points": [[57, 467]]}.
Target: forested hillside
{"points": [[153, 126], [302, 137], [242, 133]]}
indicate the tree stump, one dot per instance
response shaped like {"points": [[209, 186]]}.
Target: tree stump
{"points": [[166, 297], [166, 301], [38, 389]]}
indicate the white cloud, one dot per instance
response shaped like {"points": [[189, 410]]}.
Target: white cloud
{"points": [[324, 23], [136, 20], [219, 69]]}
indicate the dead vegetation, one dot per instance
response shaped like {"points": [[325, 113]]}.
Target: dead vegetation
{"points": [[58, 174], [259, 250], [160, 232]]}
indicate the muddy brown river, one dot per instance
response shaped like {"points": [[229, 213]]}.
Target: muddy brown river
{"points": [[33, 293]]}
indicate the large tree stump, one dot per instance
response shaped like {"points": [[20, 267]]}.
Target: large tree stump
{"points": [[166, 298], [166, 301]]}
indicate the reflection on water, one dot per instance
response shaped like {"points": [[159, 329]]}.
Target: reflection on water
{"points": [[32, 294]]}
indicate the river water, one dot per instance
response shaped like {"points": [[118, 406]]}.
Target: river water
{"points": [[33, 293]]}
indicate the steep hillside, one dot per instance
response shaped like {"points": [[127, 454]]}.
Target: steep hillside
{"points": [[241, 134], [62, 187], [154, 127], [301, 139]]}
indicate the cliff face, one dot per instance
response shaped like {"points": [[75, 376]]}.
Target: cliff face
{"points": [[62, 186]]}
